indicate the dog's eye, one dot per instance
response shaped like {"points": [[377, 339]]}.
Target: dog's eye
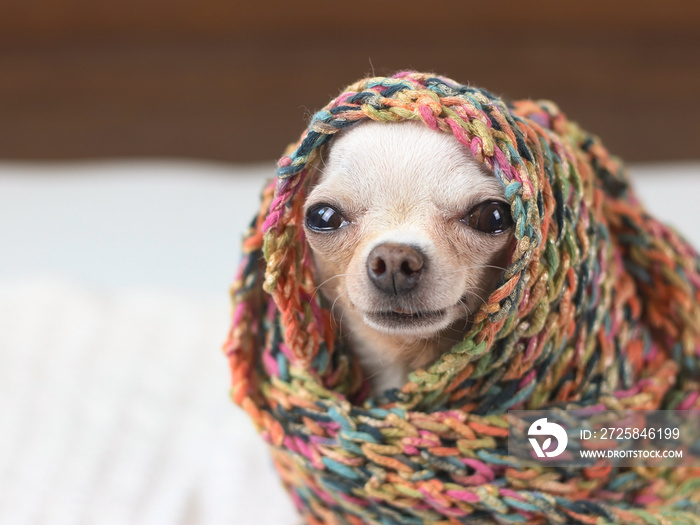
{"points": [[490, 217], [324, 218]]}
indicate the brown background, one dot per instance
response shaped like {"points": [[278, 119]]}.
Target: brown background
{"points": [[236, 81]]}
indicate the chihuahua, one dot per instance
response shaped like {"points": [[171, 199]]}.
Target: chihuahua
{"points": [[410, 235]]}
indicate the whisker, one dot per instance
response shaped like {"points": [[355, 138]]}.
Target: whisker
{"points": [[329, 279], [367, 378], [337, 324], [425, 345]]}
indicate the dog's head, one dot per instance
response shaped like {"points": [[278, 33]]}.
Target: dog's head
{"points": [[409, 232]]}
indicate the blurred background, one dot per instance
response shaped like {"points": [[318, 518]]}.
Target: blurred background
{"points": [[135, 136], [234, 81]]}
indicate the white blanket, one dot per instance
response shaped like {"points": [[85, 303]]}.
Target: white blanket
{"points": [[114, 410], [113, 388]]}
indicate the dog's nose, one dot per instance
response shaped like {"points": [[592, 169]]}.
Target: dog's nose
{"points": [[395, 268]]}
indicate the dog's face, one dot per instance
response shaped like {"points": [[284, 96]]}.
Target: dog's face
{"points": [[409, 233]]}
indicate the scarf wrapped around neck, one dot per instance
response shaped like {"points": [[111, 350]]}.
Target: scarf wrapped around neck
{"points": [[599, 307]]}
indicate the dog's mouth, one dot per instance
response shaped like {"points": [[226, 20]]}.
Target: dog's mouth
{"points": [[397, 319], [400, 318]]}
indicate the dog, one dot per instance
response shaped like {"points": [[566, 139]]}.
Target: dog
{"points": [[409, 235], [386, 214]]}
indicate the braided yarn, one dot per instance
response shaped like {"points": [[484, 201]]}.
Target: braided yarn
{"points": [[599, 307]]}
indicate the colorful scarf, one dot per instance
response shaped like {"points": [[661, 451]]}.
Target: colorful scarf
{"points": [[599, 307]]}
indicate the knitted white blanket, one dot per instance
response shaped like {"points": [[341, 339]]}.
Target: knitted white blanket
{"points": [[114, 410]]}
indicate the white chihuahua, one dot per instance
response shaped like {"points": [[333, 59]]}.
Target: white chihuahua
{"points": [[410, 234]]}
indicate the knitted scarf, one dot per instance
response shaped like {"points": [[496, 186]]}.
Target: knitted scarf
{"points": [[599, 307]]}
